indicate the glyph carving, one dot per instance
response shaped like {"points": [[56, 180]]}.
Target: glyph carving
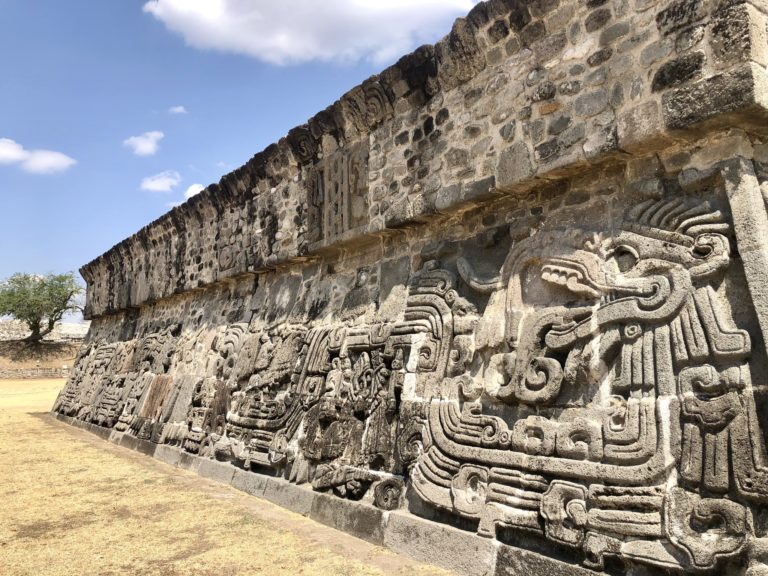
{"points": [[613, 415], [638, 394]]}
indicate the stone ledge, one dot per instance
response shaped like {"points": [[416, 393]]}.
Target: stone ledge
{"points": [[253, 484], [218, 471], [356, 518], [143, 446], [283, 493], [736, 98], [168, 454], [444, 546], [513, 561]]}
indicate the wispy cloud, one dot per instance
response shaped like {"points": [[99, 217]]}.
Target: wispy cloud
{"points": [[33, 161], [145, 144], [163, 182], [193, 190], [292, 31], [177, 110]]}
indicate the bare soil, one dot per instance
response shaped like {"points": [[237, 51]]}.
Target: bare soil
{"points": [[73, 504]]}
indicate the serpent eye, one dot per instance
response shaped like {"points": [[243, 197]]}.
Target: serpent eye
{"points": [[624, 257]]}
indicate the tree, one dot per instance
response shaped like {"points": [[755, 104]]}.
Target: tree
{"points": [[39, 301]]}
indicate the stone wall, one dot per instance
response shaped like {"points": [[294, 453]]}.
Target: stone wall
{"points": [[34, 373], [62, 331], [514, 283]]}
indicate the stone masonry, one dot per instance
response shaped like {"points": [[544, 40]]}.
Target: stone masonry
{"points": [[501, 307], [14, 330]]}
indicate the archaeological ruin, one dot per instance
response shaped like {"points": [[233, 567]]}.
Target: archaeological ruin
{"points": [[503, 307]]}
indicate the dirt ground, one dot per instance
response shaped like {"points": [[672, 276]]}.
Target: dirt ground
{"points": [[72, 504]]}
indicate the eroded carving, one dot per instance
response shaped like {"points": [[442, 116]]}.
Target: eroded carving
{"points": [[601, 396], [640, 380]]}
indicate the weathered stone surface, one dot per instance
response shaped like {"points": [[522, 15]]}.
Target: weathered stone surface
{"points": [[710, 98], [679, 14], [597, 19], [168, 454], [641, 128], [219, 471], [361, 520], [591, 103], [516, 283], [515, 562], [678, 71], [514, 165], [445, 546], [295, 498]]}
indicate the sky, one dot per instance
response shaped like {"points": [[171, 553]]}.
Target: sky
{"points": [[113, 111]]}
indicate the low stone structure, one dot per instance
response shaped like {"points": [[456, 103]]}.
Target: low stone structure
{"points": [[34, 373], [514, 284], [62, 331], [53, 358]]}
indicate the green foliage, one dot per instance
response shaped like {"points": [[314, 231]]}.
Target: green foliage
{"points": [[39, 301]]}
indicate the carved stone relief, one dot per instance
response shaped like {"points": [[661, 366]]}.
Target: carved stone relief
{"points": [[597, 392], [339, 192], [631, 426]]}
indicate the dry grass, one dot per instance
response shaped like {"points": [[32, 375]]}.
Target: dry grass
{"points": [[74, 505]]}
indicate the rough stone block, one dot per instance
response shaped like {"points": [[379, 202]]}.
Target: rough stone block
{"points": [[168, 454], [128, 441], [514, 166], [680, 14], [101, 432], [479, 190], [640, 129], [218, 471], [249, 482], [356, 518], [513, 561], [597, 19], [298, 499], [591, 103], [189, 461], [678, 71], [447, 547], [712, 98]]}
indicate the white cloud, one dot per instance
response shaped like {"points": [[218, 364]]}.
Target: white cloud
{"points": [[192, 190], [163, 182], [146, 144], [47, 162], [33, 161], [11, 152], [291, 31], [174, 204], [177, 110]]}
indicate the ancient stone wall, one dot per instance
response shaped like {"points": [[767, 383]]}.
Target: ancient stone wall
{"points": [[513, 284]]}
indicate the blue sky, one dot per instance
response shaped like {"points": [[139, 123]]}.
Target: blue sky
{"points": [[87, 89]]}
